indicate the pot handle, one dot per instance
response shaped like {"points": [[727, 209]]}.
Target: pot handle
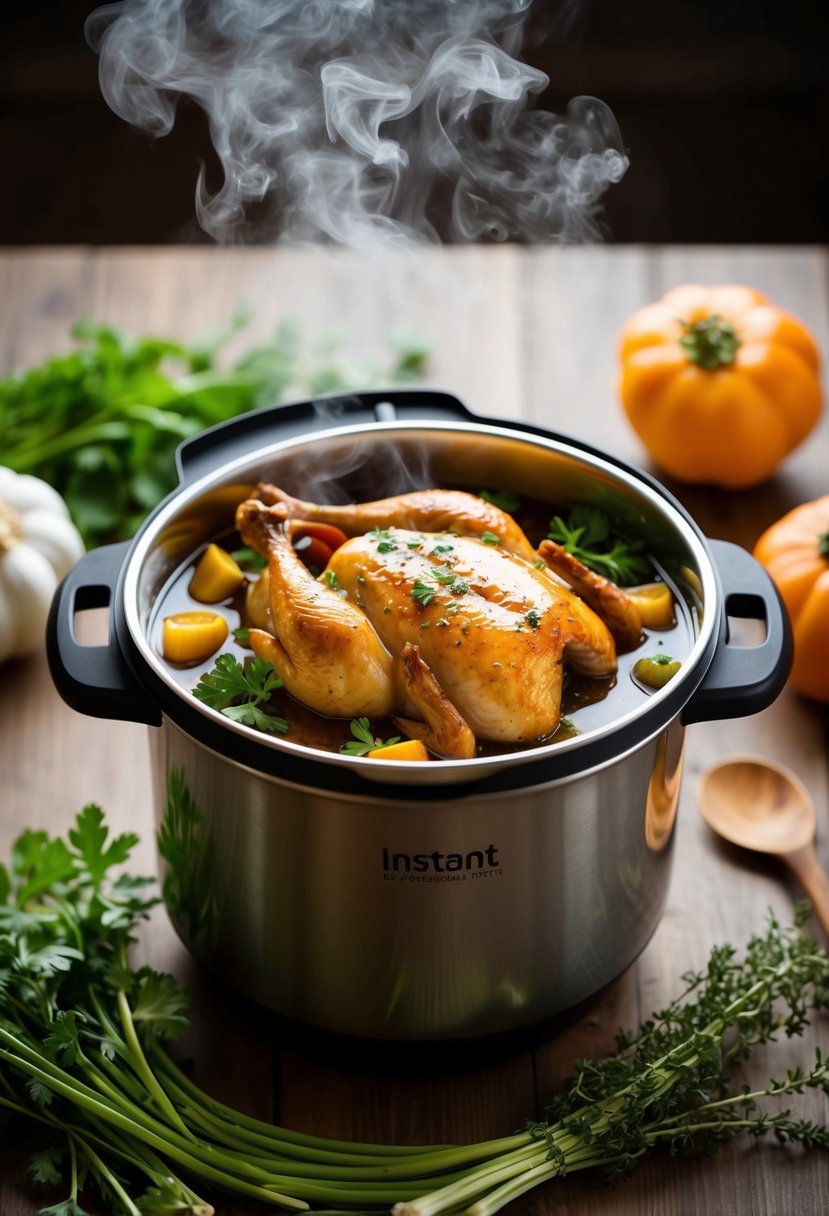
{"points": [[743, 680], [94, 680], [239, 437]]}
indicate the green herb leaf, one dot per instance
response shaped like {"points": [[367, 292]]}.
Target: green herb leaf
{"points": [[159, 1005], [533, 618], [89, 836], [489, 538], [249, 560], [422, 593], [385, 540], [364, 740], [501, 498], [588, 536], [249, 714], [44, 1166], [238, 690], [228, 680]]}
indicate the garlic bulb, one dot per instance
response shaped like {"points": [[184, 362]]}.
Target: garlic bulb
{"points": [[39, 544]]}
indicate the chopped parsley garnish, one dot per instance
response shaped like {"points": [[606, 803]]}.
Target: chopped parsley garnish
{"points": [[414, 544], [237, 690], [443, 549], [364, 740], [446, 577], [533, 618], [489, 538], [588, 536], [422, 592], [460, 586], [333, 582], [384, 539]]}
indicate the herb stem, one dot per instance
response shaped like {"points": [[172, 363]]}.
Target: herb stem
{"points": [[103, 1172], [142, 1067]]}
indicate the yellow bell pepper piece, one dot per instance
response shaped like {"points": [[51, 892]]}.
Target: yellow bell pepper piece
{"points": [[655, 604], [216, 576], [191, 637], [409, 749]]}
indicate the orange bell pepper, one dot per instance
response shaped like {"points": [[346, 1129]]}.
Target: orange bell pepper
{"points": [[719, 383], [795, 551]]}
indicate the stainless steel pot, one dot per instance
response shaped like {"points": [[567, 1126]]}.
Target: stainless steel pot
{"points": [[400, 901]]}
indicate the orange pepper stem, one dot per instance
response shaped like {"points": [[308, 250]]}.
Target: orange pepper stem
{"points": [[710, 343], [823, 545]]}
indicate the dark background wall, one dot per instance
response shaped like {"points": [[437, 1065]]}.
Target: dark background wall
{"points": [[723, 108]]}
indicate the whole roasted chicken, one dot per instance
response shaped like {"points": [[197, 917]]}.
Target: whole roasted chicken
{"points": [[437, 611]]}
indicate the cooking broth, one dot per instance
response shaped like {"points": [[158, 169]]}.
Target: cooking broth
{"points": [[587, 703]]}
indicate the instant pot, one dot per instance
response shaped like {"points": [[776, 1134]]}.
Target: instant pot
{"points": [[412, 901]]}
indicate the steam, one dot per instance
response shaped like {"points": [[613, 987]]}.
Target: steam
{"points": [[363, 121]]}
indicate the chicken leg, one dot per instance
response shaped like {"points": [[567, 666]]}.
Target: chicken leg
{"points": [[429, 510], [326, 651]]}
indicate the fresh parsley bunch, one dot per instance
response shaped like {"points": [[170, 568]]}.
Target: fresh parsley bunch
{"points": [[102, 423]]}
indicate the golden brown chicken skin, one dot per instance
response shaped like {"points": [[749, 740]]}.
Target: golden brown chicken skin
{"points": [[493, 629], [432, 510], [460, 636]]}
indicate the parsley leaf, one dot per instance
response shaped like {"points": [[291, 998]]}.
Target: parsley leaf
{"points": [[384, 539], [490, 538], [158, 1004], [237, 690], [229, 679], [422, 592], [501, 498], [89, 837], [44, 1165], [249, 560], [588, 536], [249, 714], [364, 740], [332, 581], [533, 618]]}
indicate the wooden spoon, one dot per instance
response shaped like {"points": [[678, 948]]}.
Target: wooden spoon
{"points": [[760, 805]]}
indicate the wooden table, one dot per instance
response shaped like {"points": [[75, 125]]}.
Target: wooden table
{"points": [[524, 333]]}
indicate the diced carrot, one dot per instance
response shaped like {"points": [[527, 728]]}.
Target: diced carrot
{"points": [[216, 576], [329, 534], [313, 551], [191, 637], [409, 749]]}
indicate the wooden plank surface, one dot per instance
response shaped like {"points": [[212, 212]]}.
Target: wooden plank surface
{"points": [[528, 334]]}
